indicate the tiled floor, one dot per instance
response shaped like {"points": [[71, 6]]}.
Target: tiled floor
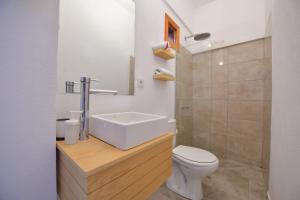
{"points": [[232, 181]]}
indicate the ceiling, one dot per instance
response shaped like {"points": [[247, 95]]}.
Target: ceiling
{"points": [[197, 3]]}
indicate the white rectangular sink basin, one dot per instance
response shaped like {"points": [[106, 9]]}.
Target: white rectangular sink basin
{"points": [[128, 129]]}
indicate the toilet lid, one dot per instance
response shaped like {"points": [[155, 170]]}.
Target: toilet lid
{"points": [[194, 154]]}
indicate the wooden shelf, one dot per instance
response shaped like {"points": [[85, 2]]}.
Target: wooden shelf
{"points": [[163, 78], [164, 53]]}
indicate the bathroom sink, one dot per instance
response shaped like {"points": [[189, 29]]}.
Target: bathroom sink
{"points": [[128, 129]]}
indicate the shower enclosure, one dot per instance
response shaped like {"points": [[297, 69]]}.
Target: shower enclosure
{"points": [[223, 105]]}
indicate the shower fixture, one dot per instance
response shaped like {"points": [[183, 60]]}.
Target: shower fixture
{"points": [[198, 36]]}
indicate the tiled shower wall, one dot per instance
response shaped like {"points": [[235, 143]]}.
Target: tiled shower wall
{"points": [[231, 92], [223, 101], [184, 97]]}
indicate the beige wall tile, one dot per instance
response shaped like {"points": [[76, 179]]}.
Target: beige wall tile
{"points": [[267, 89], [201, 139], [202, 92], [185, 60], [246, 90], [219, 74], [219, 91], [267, 116], [202, 60], [202, 75], [268, 68], [268, 47], [184, 103], [219, 118], [244, 150], [184, 66], [185, 107], [219, 126], [245, 110], [184, 138], [202, 106], [231, 103], [185, 129], [217, 142], [235, 148], [252, 70], [266, 153], [184, 57], [201, 115], [253, 152], [245, 52], [266, 134], [186, 124], [219, 110], [219, 55], [201, 123], [245, 128], [183, 74], [183, 90]]}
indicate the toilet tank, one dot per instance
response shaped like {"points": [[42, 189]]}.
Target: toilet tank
{"points": [[172, 129]]}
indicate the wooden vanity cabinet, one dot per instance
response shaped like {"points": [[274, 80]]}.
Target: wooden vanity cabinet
{"points": [[95, 170]]}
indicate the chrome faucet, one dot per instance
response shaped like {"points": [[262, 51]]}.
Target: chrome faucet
{"points": [[85, 92]]}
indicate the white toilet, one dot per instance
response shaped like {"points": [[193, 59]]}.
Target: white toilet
{"points": [[190, 165]]}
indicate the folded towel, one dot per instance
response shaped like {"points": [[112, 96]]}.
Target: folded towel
{"points": [[164, 72], [173, 51], [157, 74], [162, 45]]}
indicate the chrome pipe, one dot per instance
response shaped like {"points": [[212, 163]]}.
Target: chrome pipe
{"points": [[85, 92], [113, 92], [187, 37], [84, 107]]}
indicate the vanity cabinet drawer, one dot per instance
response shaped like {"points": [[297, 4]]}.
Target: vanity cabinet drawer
{"points": [[131, 174]]}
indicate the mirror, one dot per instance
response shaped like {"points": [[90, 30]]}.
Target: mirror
{"points": [[96, 39]]}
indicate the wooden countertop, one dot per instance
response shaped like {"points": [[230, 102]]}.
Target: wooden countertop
{"points": [[94, 155]]}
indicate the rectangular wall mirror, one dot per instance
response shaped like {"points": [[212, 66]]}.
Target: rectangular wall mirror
{"points": [[96, 39]]}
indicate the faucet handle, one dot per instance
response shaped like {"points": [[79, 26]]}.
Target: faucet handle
{"points": [[87, 80], [69, 86]]}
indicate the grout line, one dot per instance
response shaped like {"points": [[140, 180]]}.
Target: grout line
{"points": [[227, 104], [211, 102]]}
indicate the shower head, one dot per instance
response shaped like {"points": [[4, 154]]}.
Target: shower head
{"points": [[199, 36]]}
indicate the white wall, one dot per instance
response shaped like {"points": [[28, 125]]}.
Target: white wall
{"points": [[96, 39], [156, 97], [28, 44], [229, 22], [285, 137]]}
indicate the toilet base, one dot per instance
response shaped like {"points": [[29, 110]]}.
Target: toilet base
{"points": [[188, 187], [197, 194]]}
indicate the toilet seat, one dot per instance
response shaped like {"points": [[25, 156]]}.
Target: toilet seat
{"points": [[190, 166], [194, 156]]}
